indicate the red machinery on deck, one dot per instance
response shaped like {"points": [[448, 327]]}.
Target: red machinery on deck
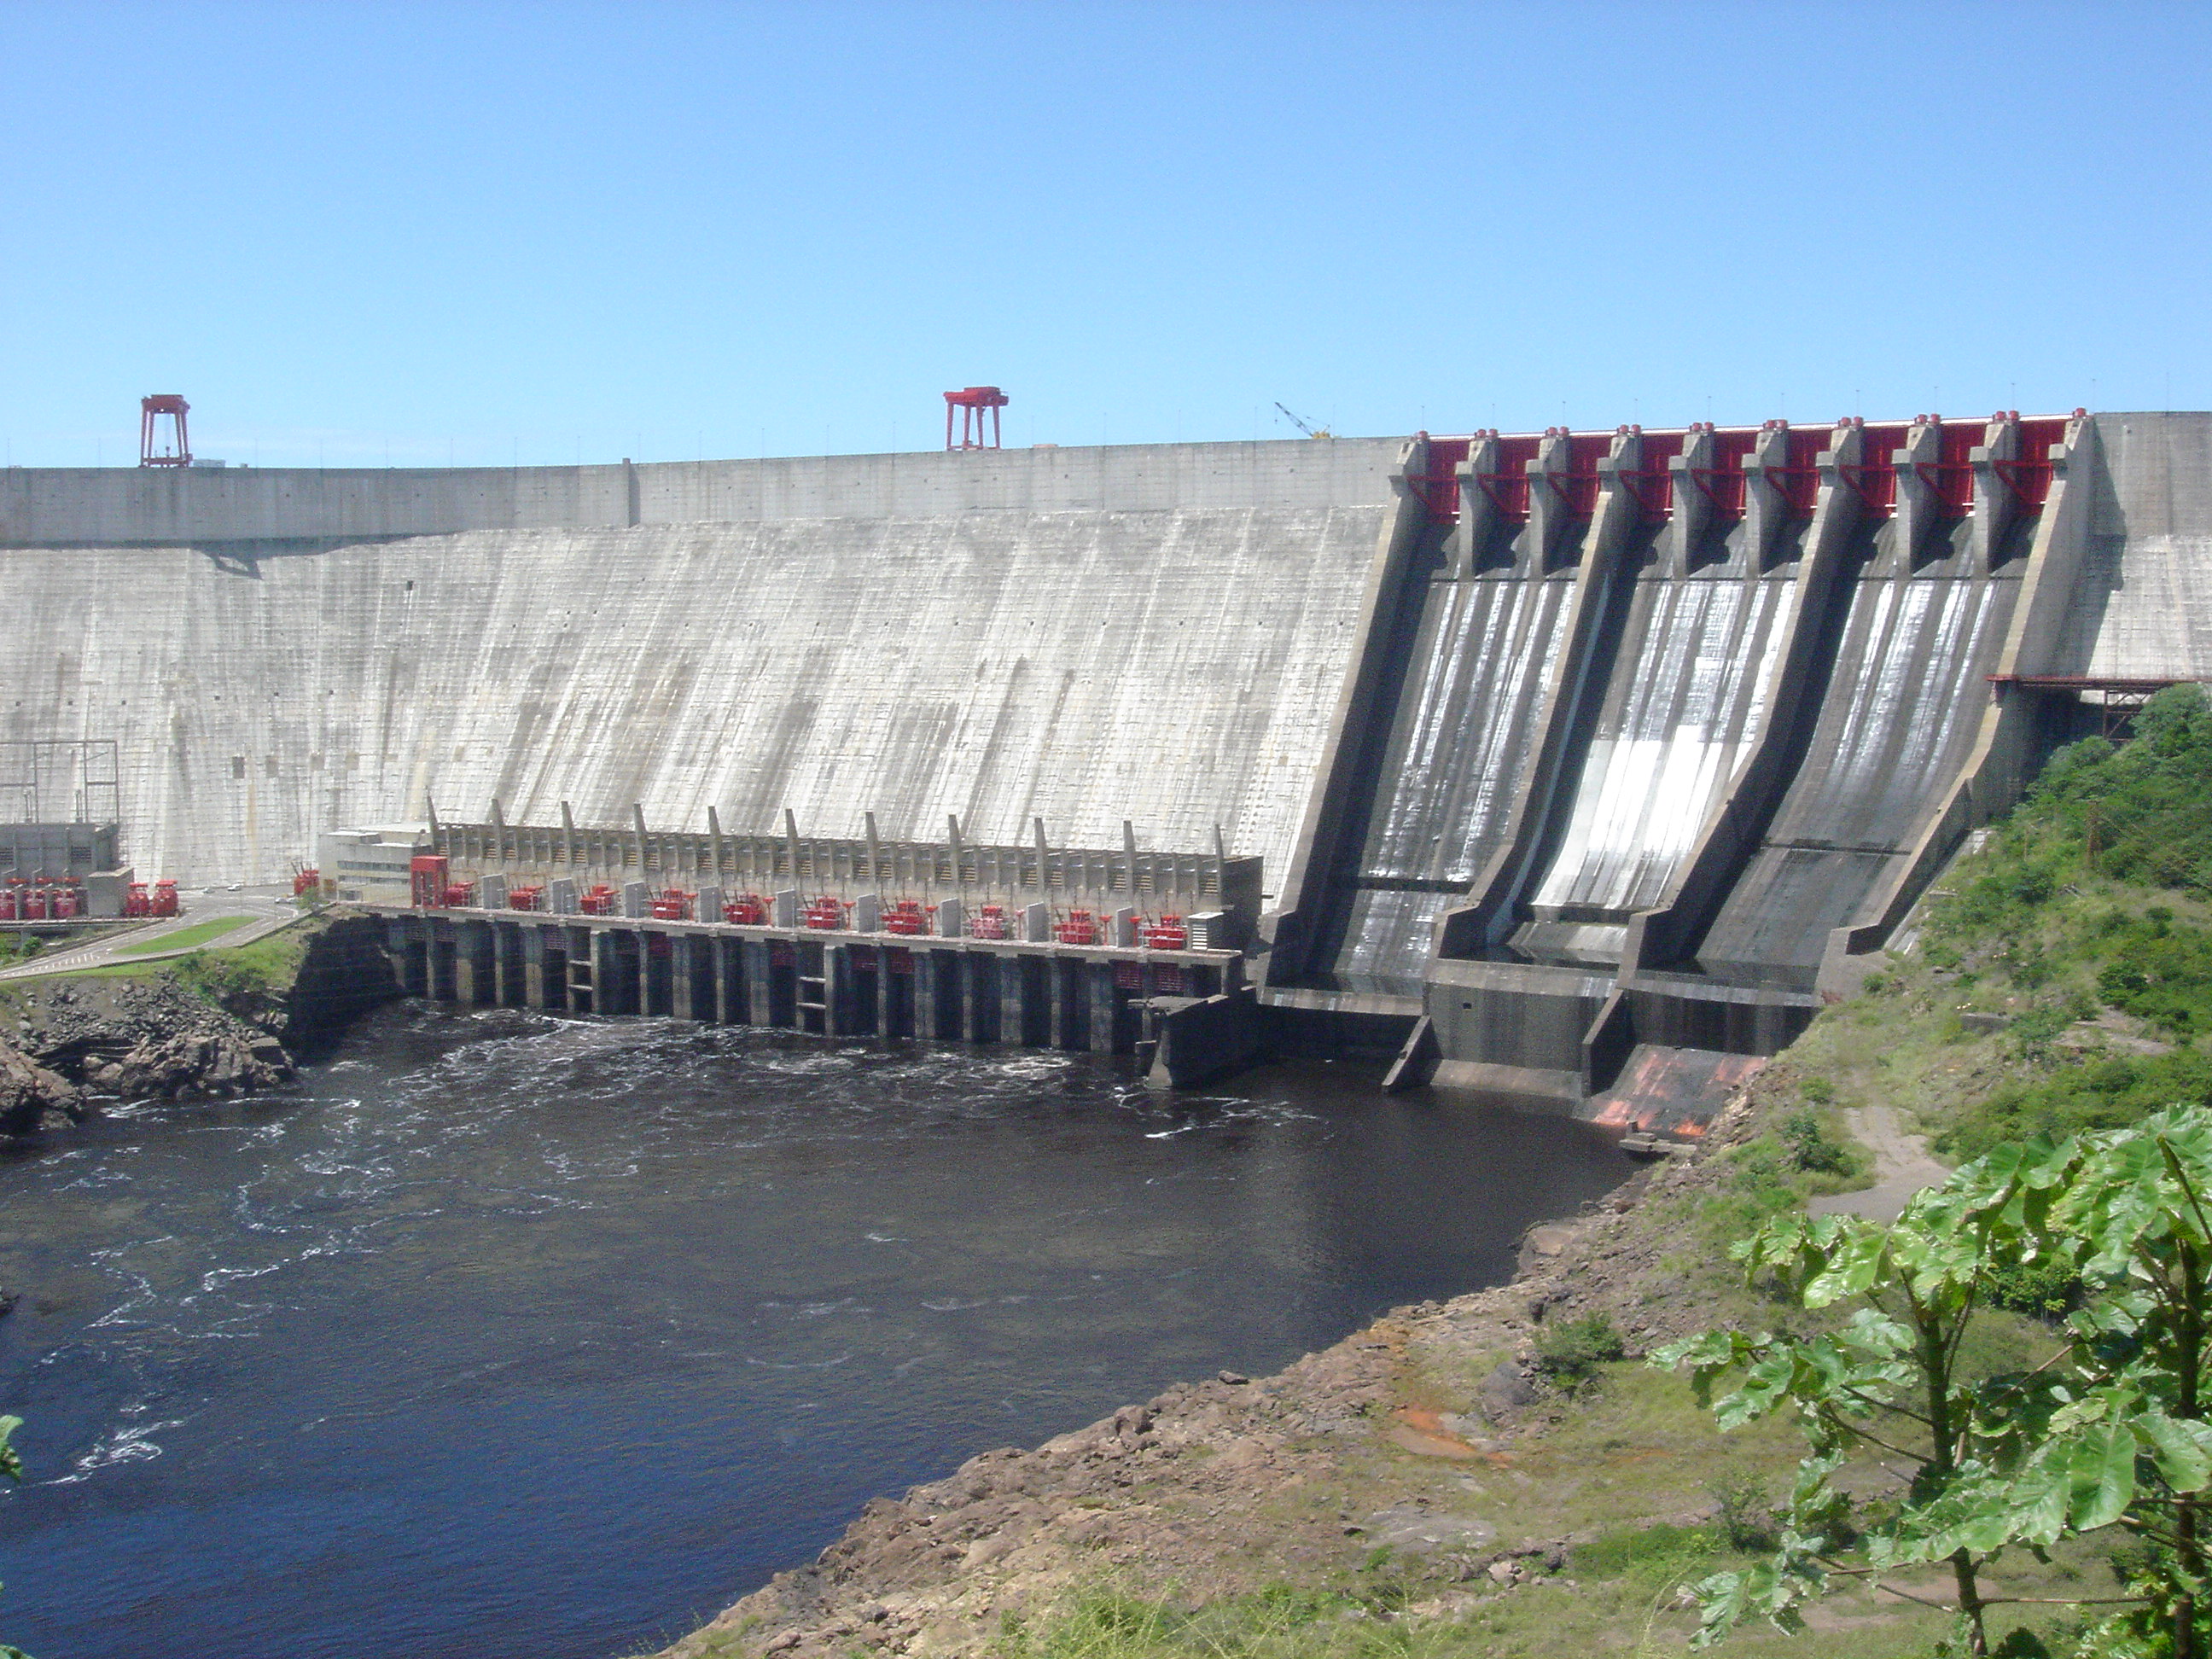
{"points": [[1081, 928], [600, 901], [746, 910], [164, 898], [974, 403], [1168, 934], [673, 904], [824, 914], [427, 875], [907, 918], [988, 922], [526, 898]]}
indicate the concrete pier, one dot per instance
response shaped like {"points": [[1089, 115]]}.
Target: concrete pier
{"points": [[1011, 992]]}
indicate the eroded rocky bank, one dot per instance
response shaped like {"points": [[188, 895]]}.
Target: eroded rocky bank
{"points": [[192, 1029]]}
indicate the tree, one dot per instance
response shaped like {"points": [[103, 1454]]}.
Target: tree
{"points": [[11, 1465], [2109, 1431]]}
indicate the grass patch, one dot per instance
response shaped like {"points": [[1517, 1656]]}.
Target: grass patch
{"points": [[184, 938]]}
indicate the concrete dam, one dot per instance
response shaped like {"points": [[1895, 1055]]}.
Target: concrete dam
{"points": [[1580, 768]]}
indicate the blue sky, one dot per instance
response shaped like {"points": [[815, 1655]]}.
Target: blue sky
{"points": [[492, 233]]}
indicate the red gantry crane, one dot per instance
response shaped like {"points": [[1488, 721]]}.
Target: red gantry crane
{"points": [[974, 403], [177, 449]]}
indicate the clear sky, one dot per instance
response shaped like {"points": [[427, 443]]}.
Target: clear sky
{"points": [[487, 234]]}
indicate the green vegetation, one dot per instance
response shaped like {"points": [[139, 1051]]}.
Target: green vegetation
{"points": [[2110, 1431], [11, 1466], [1571, 1352], [198, 934]]}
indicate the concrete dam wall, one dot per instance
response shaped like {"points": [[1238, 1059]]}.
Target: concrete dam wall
{"points": [[1569, 755], [1165, 654]]}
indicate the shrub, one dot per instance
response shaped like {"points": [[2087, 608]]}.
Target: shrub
{"points": [[1569, 1354], [1743, 1519], [1809, 1147]]}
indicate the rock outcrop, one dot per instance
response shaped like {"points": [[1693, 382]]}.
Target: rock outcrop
{"points": [[77, 1042], [32, 1097]]}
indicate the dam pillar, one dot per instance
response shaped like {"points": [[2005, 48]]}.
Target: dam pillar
{"points": [[1549, 512], [404, 943], [1099, 991], [842, 992], [898, 982], [1765, 507], [984, 1009], [756, 978], [725, 961], [657, 968], [514, 942], [1692, 509], [1479, 516], [442, 973], [695, 971], [614, 972], [1997, 504], [546, 962], [475, 968], [1013, 1000], [1917, 500], [1071, 1009]]}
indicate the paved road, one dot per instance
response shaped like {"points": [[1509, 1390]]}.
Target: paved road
{"points": [[1902, 1167], [269, 910]]}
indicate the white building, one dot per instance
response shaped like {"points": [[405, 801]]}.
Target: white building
{"points": [[370, 866]]}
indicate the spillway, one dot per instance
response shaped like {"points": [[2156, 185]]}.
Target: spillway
{"points": [[1442, 799], [1902, 707]]}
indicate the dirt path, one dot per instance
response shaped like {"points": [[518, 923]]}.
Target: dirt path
{"points": [[1902, 1166]]}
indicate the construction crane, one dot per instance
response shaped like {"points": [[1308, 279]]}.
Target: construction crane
{"points": [[1305, 426]]}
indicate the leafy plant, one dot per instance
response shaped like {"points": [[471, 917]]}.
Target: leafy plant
{"points": [[11, 1465], [2110, 1430]]}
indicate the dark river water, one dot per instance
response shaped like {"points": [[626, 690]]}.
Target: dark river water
{"points": [[507, 1335]]}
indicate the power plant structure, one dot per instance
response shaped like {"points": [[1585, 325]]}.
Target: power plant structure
{"points": [[1578, 768]]}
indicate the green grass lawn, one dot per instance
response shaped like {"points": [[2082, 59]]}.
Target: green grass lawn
{"points": [[184, 938]]}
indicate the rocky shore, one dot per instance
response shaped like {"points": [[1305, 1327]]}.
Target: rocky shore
{"points": [[69, 1044], [1406, 1440]]}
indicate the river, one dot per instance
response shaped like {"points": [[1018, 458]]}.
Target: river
{"points": [[501, 1334]]}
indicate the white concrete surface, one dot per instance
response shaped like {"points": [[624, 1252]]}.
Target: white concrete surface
{"points": [[131, 505], [1174, 668]]}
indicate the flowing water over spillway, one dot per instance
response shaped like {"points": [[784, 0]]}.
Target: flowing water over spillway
{"points": [[501, 1334]]}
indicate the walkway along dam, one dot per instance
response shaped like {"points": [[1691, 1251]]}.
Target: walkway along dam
{"points": [[1573, 767]]}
